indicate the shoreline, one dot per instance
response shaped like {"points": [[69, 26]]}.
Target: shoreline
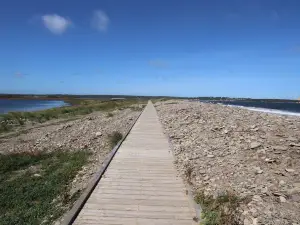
{"points": [[267, 110], [35, 108]]}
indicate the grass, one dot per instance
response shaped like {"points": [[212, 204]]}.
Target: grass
{"points": [[159, 100], [220, 210], [82, 107], [34, 186], [114, 138]]}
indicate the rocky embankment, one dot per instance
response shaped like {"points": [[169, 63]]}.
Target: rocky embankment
{"points": [[255, 154], [88, 132]]}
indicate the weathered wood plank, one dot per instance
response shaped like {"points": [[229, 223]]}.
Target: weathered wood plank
{"points": [[140, 186]]}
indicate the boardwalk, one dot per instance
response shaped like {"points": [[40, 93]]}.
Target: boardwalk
{"points": [[140, 186]]}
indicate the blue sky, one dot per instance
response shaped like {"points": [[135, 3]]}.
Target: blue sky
{"points": [[236, 48]]}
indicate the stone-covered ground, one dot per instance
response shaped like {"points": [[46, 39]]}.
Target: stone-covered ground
{"points": [[255, 154]]}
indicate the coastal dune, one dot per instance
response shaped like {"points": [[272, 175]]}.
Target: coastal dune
{"points": [[255, 155]]}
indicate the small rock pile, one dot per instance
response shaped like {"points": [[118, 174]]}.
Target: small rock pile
{"points": [[256, 154]]}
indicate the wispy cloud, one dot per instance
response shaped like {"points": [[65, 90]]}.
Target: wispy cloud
{"points": [[160, 64], [55, 23], [100, 20]]}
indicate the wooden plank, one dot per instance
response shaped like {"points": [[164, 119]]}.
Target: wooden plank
{"points": [[71, 216], [140, 185]]}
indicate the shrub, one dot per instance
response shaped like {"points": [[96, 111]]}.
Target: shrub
{"points": [[4, 125], [109, 115], [220, 210], [114, 138]]}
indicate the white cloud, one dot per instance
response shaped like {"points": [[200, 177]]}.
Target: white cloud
{"points": [[55, 23], [100, 20]]}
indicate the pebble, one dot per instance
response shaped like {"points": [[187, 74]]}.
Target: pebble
{"points": [[254, 145], [98, 134], [258, 170], [282, 199], [226, 134], [281, 183], [290, 170]]}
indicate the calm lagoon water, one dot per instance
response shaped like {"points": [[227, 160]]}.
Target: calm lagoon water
{"points": [[25, 105]]}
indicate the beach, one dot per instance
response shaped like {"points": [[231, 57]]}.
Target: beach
{"points": [[223, 149]]}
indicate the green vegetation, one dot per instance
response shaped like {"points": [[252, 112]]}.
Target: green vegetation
{"points": [[155, 100], [114, 138], [109, 114], [79, 107], [220, 210], [34, 186]]}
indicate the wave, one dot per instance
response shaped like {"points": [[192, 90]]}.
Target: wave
{"points": [[274, 111]]}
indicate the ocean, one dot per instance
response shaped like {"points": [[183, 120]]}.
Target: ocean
{"points": [[25, 105], [284, 108]]}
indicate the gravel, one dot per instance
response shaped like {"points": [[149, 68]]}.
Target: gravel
{"points": [[255, 154]]}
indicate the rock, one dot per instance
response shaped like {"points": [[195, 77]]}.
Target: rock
{"points": [[254, 145], [261, 151], [282, 199], [205, 178], [290, 170], [210, 156], [292, 139], [257, 198], [202, 171], [37, 175], [280, 148], [247, 222], [294, 190], [294, 145], [297, 185], [269, 160], [258, 170], [98, 134], [281, 183]]}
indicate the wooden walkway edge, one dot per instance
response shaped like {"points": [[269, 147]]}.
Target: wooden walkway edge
{"points": [[140, 185]]}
